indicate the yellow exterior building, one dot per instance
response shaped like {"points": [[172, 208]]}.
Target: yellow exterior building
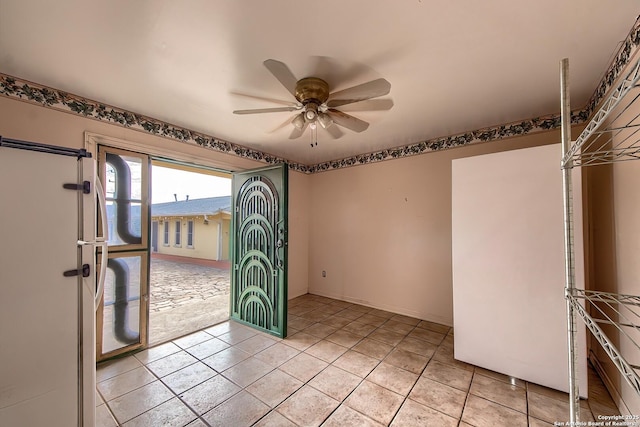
{"points": [[197, 228]]}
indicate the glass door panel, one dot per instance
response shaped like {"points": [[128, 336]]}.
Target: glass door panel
{"points": [[125, 184], [123, 326], [122, 318]]}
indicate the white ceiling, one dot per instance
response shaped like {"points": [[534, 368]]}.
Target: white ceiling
{"points": [[454, 66]]}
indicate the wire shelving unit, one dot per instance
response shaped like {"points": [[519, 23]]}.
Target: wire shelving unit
{"points": [[612, 135]]}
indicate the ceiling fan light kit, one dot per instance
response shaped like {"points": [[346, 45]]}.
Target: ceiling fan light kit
{"points": [[318, 103], [298, 121], [311, 111], [325, 120]]}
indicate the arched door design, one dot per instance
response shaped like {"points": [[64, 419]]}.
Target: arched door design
{"points": [[259, 249]]}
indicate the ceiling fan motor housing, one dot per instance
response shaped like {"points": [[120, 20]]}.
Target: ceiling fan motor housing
{"points": [[312, 92], [312, 89]]}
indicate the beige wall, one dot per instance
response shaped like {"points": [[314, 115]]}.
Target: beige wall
{"points": [[627, 257], [226, 230], [382, 232], [298, 251], [205, 238], [614, 231], [22, 120]]}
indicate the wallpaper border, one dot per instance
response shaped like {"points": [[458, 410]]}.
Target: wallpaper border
{"points": [[14, 87]]}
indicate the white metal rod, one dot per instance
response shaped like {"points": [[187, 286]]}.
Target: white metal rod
{"points": [[565, 108]]}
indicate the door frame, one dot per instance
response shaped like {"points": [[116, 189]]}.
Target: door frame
{"points": [[127, 250], [156, 153]]}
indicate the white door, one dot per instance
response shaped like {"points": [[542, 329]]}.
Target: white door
{"points": [[39, 305], [508, 265]]}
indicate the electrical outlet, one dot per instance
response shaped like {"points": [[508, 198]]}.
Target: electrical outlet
{"points": [[324, 273]]}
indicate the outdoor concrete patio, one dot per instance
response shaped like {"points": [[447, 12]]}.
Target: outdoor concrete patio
{"points": [[186, 295]]}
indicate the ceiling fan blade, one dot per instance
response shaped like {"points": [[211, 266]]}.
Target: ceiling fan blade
{"points": [[347, 120], [266, 110], [372, 89], [297, 133], [334, 131], [284, 75], [261, 98], [281, 126], [369, 105]]}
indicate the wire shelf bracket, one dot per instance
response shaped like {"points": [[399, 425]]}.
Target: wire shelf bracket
{"points": [[587, 150]]}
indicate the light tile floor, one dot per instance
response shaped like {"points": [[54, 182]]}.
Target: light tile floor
{"points": [[342, 365]]}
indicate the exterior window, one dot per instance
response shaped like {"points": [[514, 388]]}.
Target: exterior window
{"points": [[190, 234], [165, 233], [178, 231]]}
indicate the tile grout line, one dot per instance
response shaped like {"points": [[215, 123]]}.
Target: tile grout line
{"points": [[394, 347], [274, 409], [330, 364], [107, 406], [414, 384], [228, 379], [198, 417], [275, 368], [354, 389], [466, 398], [420, 376], [181, 349], [363, 378], [310, 379], [526, 401]]}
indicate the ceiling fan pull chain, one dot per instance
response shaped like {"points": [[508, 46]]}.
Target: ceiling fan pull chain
{"points": [[314, 134]]}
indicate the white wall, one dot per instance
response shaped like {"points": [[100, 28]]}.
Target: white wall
{"points": [[508, 265]]}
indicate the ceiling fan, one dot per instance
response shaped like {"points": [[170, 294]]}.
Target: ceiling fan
{"points": [[318, 105]]}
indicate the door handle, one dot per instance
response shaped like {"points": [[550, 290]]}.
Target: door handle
{"points": [[102, 203], [280, 246], [97, 242], [85, 271]]}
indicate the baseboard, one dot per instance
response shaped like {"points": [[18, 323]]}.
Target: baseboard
{"points": [[384, 307], [602, 373]]}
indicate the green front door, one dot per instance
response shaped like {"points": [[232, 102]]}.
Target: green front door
{"points": [[259, 249]]}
